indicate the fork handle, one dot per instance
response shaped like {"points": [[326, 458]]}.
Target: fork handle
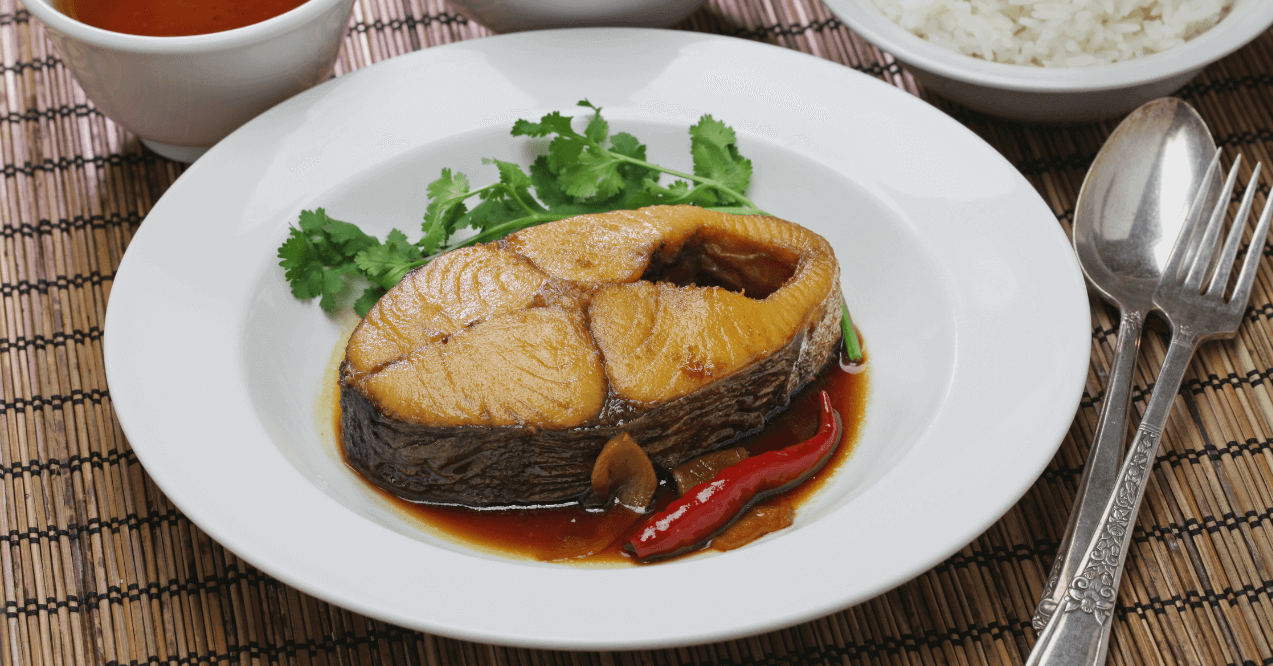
{"points": [[1078, 634], [1097, 483]]}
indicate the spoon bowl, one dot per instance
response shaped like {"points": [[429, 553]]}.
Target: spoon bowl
{"points": [[1134, 200]]}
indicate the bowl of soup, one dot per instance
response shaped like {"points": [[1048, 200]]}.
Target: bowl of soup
{"points": [[183, 74]]}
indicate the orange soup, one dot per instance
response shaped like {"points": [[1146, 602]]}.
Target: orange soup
{"points": [[173, 18]]}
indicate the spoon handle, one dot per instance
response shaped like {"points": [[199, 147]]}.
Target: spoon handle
{"points": [[1097, 483], [1078, 634]]}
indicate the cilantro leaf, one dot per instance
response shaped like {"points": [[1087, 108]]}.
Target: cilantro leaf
{"points": [[546, 186], [386, 264], [446, 206], [553, 123], [348, 238], [627, 145], [301, 265], [712, 144], [333, 283], [598, 130], [564, 152], [595, 173], [511, 175], [317, 256]]}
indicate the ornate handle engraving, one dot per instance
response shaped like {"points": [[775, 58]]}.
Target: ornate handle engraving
{"points": [[1093, 591], [1046, 605]]}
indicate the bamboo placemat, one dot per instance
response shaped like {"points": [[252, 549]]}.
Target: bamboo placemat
{"points": [[98, 566]]}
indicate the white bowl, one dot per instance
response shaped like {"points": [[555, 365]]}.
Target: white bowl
{"points": [[183, 94], [516, 15], [1055, 94]]}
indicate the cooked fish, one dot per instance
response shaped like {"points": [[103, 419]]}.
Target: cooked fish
{"points": [[494, 375]]}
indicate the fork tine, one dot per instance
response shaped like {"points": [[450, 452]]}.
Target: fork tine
{"points": [[1201, 253], [1254, 252], [1224, 264], [1184, 239]]}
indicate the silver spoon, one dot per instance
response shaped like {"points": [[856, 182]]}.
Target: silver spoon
{"points": [[1130, 210]]}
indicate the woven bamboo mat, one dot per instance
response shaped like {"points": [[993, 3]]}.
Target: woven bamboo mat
{"points": [[98, 567]]}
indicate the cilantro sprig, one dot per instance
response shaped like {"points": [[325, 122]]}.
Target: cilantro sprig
{"points": [[588, 171]]}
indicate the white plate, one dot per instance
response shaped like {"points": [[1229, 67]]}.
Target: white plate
{"points": [[969, 297]]}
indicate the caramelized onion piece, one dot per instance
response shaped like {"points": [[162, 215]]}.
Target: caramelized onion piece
{"points": [[624, 471], [757, 522], [704, 467]]}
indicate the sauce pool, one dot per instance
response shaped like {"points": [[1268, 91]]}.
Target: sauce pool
{"points": [[570, 534], [173, 18]]}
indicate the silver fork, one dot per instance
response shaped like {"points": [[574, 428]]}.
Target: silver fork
{"points": [[1078, 634]]}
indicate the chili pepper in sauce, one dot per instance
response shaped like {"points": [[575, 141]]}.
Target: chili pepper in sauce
{"points": [[711, 506]]}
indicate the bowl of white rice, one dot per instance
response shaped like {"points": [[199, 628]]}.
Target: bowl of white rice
{"points": [[1055, 61]]}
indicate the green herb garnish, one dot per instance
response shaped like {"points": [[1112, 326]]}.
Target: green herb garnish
{"points": [[852, 347], [583, 172]]}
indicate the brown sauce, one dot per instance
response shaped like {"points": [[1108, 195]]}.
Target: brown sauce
{"points": [[571, 534], [173, 18]]}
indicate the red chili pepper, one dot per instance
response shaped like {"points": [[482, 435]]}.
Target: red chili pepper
{"points": [[713, 505]]}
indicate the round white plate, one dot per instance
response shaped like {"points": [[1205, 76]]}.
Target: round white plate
{"points": [[970, 300]]}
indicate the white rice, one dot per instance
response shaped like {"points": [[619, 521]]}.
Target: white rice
{"points": [[1056, 33]]}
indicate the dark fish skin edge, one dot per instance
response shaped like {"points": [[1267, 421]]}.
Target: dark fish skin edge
{"points": [[507, 466]]}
